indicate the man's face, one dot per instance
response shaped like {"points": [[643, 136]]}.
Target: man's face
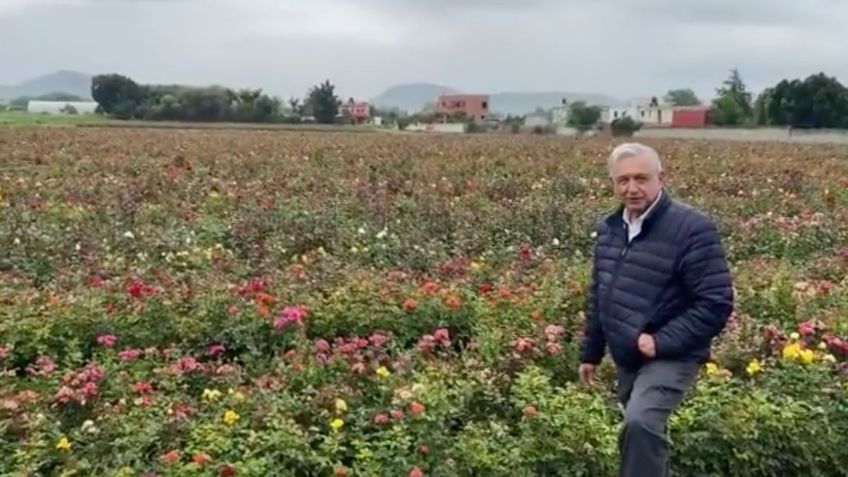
{"points": [[637, 183]]}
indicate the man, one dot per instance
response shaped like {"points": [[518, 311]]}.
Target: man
{"points": [[660, 292]]}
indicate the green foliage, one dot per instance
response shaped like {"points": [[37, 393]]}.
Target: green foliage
{"points": [[424, 291], [682, 97], [582, 116], [323, 102], [117, 95], [732, 105], [625, 126], [69, 109], [122, 98], [818, 101]]}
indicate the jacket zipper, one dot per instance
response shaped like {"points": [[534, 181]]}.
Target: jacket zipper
{"points": [[618, 263]]}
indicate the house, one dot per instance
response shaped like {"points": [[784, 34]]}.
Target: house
{"points": [[358, 111], [610, 114], [653, 113], [62, 107], [690, 116], [473, 106]]}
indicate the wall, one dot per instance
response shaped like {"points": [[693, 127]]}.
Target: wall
{"points": [[611, 114], [660, 115], [55, 107], [453, 128], [475, 106], [823, 136]]}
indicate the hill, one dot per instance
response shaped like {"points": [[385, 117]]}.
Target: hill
{"points": [[524, 103], [69, 82], [410, 97], [413, 97]]}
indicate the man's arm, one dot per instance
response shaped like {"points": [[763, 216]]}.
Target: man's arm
{"points": [[706, 279], [592, 348]]}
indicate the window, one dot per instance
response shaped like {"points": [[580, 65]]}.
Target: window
{"points": [[643, 113], [485, 104]]}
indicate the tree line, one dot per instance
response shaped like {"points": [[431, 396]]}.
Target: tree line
{"points": [[817, 101], [121, 97]]}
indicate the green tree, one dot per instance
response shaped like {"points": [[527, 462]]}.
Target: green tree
{"points": [[761, 117], [732, 106], [726, 111], [117, 93], [819, 101], [625, 126], [323, 102], [682, 97], [582, 116]]}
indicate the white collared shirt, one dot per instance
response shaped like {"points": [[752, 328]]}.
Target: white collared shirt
{"points": [[634, 228]]}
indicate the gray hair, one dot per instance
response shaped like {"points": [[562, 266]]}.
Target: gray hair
{"points": [[633, 149]]}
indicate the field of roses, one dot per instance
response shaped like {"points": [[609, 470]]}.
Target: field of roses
{"points": [[234, 303]]}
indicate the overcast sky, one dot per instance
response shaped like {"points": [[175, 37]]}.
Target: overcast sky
{"points": [[619, 47]]}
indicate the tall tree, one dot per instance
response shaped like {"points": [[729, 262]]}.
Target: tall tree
{"points": [[324, 102], [682, 97], [732, 106]]}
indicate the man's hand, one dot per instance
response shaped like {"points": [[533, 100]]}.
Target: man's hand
{"points": [[647, 345], [587, 373]]}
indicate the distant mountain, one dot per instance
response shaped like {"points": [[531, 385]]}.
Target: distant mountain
{"points": [[524, 103], [70, 82], [413, 97], [410, 97]]}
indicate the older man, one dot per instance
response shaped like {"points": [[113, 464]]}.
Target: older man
{"points": [[660, 292]]}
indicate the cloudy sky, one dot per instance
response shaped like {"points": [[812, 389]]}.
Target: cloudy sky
{"points": [[619, 47]]}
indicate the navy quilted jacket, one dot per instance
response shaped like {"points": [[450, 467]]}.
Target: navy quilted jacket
{"points": [[672, 281]]}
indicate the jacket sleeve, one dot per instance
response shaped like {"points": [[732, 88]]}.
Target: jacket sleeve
{"points": [[594, 343], [706, 279]]}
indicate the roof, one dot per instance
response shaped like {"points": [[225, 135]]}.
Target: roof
{"points": [[466, 96]]}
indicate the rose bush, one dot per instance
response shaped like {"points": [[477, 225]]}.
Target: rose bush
{"points": [[252, 303]]}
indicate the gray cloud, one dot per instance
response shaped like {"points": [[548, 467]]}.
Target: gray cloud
{"points": [[618, 47]]}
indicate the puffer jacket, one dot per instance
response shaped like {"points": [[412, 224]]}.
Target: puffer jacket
{"points": [[671, 281]]}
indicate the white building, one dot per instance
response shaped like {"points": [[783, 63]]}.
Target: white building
{"points": [[609, 115], [536, 121], [59, 107], [648, 111]]}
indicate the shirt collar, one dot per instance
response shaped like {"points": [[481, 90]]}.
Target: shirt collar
{"points": [[626, 217]]}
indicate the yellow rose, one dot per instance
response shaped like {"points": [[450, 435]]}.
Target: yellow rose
{"points": [[792, 351], [63, 444], [231, 417], [383, 372], [211, 394], [712, 369], [807, 356], [336, 424], [753, 367], [341, 405]]}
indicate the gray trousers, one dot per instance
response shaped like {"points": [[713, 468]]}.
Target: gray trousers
{"points": [[649, 396]]}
